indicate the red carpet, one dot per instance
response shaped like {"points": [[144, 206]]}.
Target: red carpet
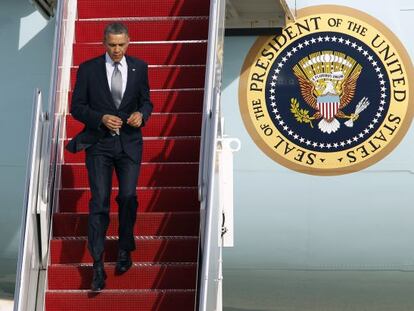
{"points": [[184, 100], [145, 276], [161, 199], [166, 149], [154, 54], [151, 175], [147, 8], [149, 249], [161, 125], [168, 224], [167, 30], [171, 35], [121, 300], [169, 77]]}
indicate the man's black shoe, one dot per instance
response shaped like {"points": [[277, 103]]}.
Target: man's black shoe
{"points": [[98, 281], [124, 262]]}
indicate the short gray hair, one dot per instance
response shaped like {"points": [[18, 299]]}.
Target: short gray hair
{"points": [[115, 28]]}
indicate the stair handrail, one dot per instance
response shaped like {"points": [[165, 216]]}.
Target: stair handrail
{"points": [[28, 264], [52, 141], [211, 133]]}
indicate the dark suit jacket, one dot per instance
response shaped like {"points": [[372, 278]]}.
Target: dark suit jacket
{"points": [[92, 99]]}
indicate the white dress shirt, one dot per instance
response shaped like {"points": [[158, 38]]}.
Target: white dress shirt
{"points": [[123, 67]]}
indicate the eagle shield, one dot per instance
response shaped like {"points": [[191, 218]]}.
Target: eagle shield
{"points": [[328, 106]]}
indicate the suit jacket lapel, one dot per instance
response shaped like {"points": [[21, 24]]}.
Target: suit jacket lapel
{"points": [[130, 81], [104, 79]]}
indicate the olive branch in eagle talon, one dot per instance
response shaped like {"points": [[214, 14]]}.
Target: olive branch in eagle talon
{"points": [[301, 115]]}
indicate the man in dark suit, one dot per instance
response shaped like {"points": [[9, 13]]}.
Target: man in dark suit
{"points": [[111, 98]]}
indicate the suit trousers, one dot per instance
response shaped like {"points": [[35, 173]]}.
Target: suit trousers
{"points": [[101, 160]]}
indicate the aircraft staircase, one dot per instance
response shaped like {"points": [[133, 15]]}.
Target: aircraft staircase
{"points": [[177, 263], [171, 36]]}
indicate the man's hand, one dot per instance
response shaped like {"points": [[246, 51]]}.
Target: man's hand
{"points": [[112, 122], [135, 119]]}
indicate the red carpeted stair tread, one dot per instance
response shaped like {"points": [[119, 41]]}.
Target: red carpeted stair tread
{"points": [[157, 249], [173, 101], [125, 300], [150, 200], [168, 77], [174, 149], [154, 54], [178, 101], [160, 125], [151, 175], [163, 224], [143, 30], [148, 8], [151, 276]]}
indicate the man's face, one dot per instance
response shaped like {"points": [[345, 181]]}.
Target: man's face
{"points": [[116, 45]]}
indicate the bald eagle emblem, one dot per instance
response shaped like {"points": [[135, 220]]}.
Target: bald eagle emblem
{"points": [[327, 83]]}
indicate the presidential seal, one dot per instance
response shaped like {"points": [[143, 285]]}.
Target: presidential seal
{"points": [[329, 95]]}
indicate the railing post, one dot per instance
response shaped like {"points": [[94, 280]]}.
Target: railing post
{"points": [[43, 205], [225, 191]]}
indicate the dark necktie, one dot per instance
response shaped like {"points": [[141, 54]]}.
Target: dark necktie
{"points": [[116, 85]]}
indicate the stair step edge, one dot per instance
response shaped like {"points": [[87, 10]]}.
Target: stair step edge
{"points": [[122, 291], [148, 18], [180, 213], [134, 264], [136, 237]]}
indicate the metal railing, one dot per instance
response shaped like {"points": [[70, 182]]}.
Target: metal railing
{"points": [[209, 276], [29, 260]]}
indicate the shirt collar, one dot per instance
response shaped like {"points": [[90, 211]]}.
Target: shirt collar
{"points": [[109, 60]]}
